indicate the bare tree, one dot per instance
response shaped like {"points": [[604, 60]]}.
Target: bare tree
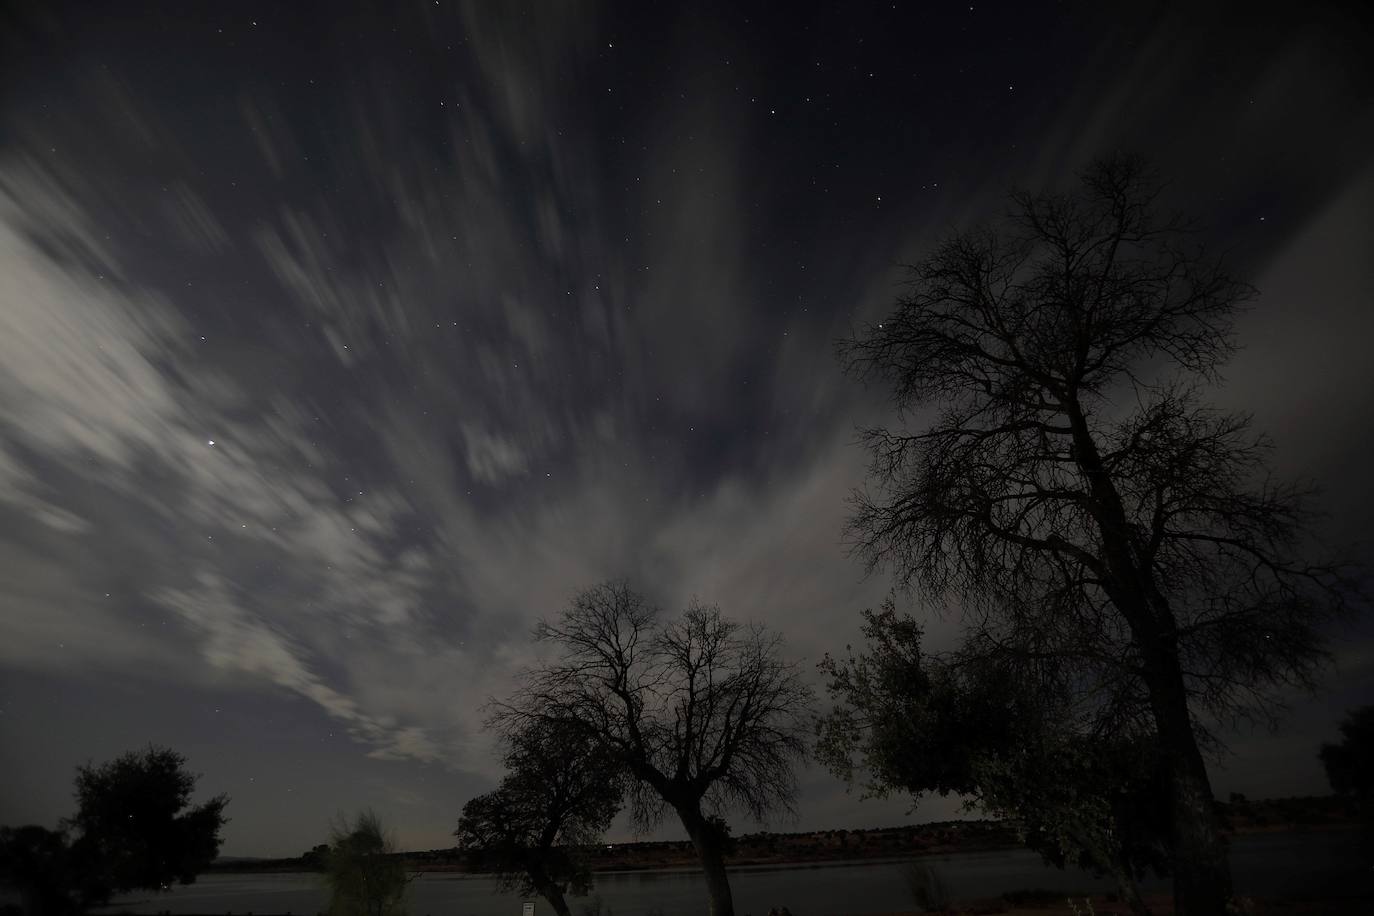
{"points": [[1056, 471], [702, 712], [559, 795]]}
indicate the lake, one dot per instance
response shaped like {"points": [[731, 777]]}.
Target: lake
{"points": [[1264, 865]]}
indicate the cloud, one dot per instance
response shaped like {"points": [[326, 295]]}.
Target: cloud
{"points": [[235, 640], [493, 458], [104, 391], [74, 348]]}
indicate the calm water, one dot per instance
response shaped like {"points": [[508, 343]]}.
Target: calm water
{"points": [[1288, 863]]}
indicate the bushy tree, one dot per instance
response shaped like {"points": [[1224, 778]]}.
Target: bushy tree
{"points": [[1349, 765], [36, 863], [703, 714], [558, 796], [364, 875], [136, 828], [1055, 471], [315, 857], [964, 724]]}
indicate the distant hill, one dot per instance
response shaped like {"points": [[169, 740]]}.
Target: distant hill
{"points": [[230, 860]]}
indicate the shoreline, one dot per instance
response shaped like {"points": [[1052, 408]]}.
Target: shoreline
{"points": [[752, 864], [980, 883]]}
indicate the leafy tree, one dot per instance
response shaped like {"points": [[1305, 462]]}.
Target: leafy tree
{"points": [[365, 876], [135, 826], [315, 857], [560, 792], [701, 712], [1055, 471], [36, 862], [1350, 765], [969, 726]]}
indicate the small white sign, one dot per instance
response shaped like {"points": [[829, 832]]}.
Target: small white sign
{"points": [[527, 909]]}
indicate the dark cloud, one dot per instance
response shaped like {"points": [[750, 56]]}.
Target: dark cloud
{"points": [[336, 347]]}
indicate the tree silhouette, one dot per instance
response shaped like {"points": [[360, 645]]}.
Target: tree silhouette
{"points": [[315, 857], [969, 725], [36, 863], [560, 792], [701, 712], [1349, 765], [1055, 471], [365, 876], [134, 828]]}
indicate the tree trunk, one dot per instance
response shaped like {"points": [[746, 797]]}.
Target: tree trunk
{"points": [[710, 849], [1202, 873], [553, 894]]}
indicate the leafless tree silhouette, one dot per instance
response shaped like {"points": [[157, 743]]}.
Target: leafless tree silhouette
{"points": [[703, 713]]}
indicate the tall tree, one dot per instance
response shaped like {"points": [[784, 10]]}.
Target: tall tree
{"points": [[1055, 471], [135, 827], [702, 713], [558, 796]]}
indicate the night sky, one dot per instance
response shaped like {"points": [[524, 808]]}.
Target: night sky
{"points": [[338, 344]]}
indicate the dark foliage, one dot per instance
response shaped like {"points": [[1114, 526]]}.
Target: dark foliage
{"points": [[133, 830], [1057, 473], [560, 792], [978, 727], [135, 827], [1350, 763], [36, 862], [315, 858], [1350, 766]]}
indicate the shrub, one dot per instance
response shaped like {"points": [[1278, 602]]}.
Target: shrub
{"points": [[927, 886], [364, 874]]}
